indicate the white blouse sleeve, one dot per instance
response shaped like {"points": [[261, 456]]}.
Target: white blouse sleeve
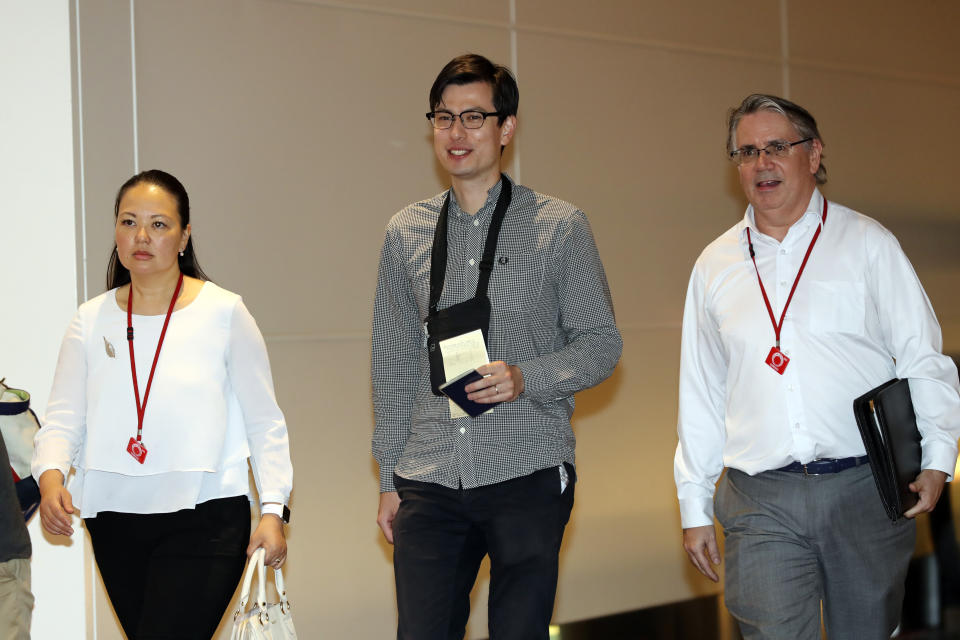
{"points": [[64, 425], [249, 369]]}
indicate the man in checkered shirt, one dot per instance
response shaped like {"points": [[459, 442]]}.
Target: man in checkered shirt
{"points": [[456, 489]]}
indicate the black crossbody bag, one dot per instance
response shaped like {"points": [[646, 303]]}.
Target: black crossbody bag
{"points": [[468, 315]]}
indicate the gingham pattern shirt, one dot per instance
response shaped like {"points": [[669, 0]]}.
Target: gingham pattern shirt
{"points": [[552, 316]]}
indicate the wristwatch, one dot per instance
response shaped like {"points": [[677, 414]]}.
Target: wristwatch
{"points": [[276, 509]]}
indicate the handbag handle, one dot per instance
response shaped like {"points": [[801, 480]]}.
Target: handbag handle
{"points": [[256, 563], [281, 589]]}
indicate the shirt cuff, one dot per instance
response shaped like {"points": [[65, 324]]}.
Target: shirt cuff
{"points": [[38, 470], [530, 380], [941, 457], [386, 480], [538, 382], [276, 509], [696, 512]]}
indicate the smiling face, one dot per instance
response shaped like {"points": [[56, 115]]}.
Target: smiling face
{"points": [[778, 188], [148, 231], [471, 155]]}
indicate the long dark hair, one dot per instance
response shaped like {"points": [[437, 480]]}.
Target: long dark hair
{"points": [[117, 274]]}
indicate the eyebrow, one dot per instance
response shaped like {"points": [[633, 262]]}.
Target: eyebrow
{"points": [[448, 110], [768, 143], [153, 216]]}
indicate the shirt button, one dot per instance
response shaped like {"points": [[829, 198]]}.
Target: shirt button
{"points": [[783, 283], [783, 251], [796, 426], [463, 429], [790, 387], [472, 262], [476, 223]]}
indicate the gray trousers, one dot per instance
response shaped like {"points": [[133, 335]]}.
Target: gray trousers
{"points": [[794, 540]]}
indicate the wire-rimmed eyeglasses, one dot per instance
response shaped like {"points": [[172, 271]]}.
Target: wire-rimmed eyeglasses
{"points": [[471, 118], [778, 148]]}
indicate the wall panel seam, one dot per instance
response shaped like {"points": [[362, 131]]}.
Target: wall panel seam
{"points": [[542, 30], [316, 337], [647, 43], [785, 48], [133, 87], [396, 13], [883, 74], [514, 66], [83, 288]]}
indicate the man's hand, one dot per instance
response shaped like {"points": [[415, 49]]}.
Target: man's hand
{"points": [[929, 484], [700, 544], [56, 504], [502, 383], [389, 504]]}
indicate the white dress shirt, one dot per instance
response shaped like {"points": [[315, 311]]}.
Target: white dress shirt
{"points": [[859, 317], [211, 407]]}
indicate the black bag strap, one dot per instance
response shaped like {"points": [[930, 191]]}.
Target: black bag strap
{"points": [[438, 256]]}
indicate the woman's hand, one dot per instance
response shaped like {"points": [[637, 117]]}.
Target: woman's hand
{"points": [[56, 504], [269, 535]]}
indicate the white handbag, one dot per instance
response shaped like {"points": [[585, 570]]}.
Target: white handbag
{"points": [[263, 621]]}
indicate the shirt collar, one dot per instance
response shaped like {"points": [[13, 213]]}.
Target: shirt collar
{"points": [[493, 194], [812, 215]]}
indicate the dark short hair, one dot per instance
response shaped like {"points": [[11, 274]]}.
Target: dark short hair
{"points": [[799, 117], [472, 67], [117, 274]]}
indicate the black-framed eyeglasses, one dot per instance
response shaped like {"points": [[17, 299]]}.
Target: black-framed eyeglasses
{"points": [[470, 119], [778, 148]]}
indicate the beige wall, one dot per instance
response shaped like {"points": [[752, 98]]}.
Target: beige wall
{"points": [[298, 129]]}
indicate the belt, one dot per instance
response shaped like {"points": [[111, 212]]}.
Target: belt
{"points": [[825, 465]]}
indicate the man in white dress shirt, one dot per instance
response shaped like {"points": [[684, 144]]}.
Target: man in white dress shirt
{"points": [[798, 309]]}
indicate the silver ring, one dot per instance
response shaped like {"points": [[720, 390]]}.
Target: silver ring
{"points": [[497, 387]]}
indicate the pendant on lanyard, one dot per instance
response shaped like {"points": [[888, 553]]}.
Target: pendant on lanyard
{"points": [[776, 359], [136, 447]]}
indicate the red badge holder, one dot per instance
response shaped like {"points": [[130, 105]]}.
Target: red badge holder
{"points": [[777, 360], [136, 449]]}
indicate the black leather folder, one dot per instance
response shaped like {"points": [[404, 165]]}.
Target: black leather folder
{"points": [[888, 427]]}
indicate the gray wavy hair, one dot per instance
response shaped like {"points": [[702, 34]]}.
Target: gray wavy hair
{"points": [[799, 117]]}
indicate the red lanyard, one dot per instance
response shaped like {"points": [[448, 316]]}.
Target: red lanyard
{"points": [[778, 325], [135, 446]]}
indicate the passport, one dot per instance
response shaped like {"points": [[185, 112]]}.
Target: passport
{"points": [[454, 389]]}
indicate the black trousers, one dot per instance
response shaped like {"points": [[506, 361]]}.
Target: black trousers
{"points": [[172, 575], [441, 536]]}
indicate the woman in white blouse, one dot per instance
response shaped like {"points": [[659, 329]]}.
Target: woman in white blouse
{"points": [[162, 392]]}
